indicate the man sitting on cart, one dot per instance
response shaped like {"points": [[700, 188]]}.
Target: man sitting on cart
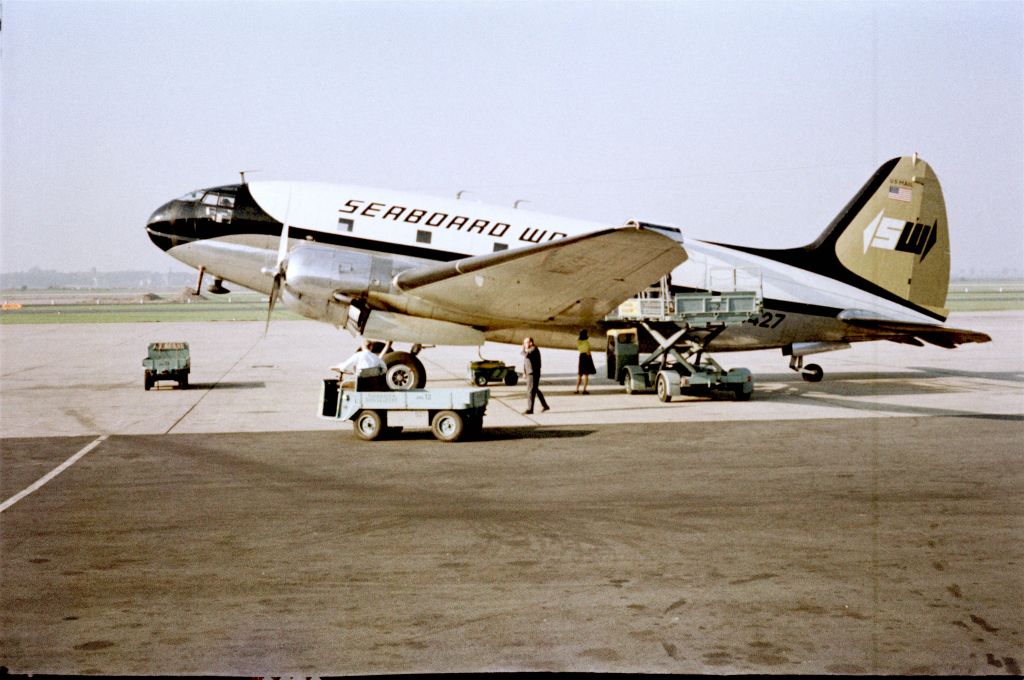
{"points": [[368, 370]]}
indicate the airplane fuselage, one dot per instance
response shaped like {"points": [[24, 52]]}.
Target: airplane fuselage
{"points": [[234, 231]]}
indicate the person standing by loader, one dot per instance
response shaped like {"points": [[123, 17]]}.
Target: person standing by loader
{"points": [[531, 367], [585, 368]]}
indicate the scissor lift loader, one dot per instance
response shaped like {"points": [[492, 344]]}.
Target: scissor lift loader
{"points": [[683, 325]]}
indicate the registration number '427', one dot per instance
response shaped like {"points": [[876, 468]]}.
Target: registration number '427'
{"points": [[767, 320]]}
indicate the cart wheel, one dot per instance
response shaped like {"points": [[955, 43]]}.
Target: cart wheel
{"points": [[814, 373], [740, 394], [369, 425], [627, 381], [183, 382], [147, 381], [480, 379], [663, 390], [448, 426], [511, 378]]}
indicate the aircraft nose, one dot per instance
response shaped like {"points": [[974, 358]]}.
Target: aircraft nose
{"points": [[204, 213], [161, 227]]}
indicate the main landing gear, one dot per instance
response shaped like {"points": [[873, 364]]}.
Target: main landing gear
{"points": [[403, 370]]}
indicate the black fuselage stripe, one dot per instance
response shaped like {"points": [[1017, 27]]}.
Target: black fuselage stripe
{"points": [[202, 230], [801, 308]]}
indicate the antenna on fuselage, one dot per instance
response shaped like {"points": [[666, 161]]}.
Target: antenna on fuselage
{"points": [[242, 173], [518, 201], [458, 194]]}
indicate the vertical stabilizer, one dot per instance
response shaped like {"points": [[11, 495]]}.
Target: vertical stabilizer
{"points": [[894, 234]]}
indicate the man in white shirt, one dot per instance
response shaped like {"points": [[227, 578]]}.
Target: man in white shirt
{"points": [[362, 360]]}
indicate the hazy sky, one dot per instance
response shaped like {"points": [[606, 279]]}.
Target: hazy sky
{"points": [[749, 123]]}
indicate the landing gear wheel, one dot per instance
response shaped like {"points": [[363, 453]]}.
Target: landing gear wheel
{"points": [[812, 373], [404, 371], [511, 378], [663, 390], [448, 426], [369, 425]]}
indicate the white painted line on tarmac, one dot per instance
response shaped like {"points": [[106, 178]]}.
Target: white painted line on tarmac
{"points": [[52, 473]]}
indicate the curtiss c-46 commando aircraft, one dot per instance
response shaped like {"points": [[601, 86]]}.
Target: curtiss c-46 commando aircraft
{"points": [[403, 267]]}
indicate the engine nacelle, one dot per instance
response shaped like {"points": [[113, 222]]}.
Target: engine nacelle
{"points": [[315, 307], [326, 273]]}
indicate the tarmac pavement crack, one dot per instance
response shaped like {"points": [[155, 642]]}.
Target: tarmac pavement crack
{"points": [[213, 386]]}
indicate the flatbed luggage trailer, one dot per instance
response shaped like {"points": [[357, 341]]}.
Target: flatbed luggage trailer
{"points": [[683, 327], [451, 413]]}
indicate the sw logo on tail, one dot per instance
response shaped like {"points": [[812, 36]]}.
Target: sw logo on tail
{"points": [[892, 234]]}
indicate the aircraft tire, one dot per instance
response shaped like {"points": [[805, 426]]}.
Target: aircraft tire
{"points": [[368, 425], [812, 373], [403, 371]]}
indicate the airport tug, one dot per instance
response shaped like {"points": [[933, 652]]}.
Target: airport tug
{"points": [[451, 413]]}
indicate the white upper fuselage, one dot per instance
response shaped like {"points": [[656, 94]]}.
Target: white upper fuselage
{"points": [[414, 230]]}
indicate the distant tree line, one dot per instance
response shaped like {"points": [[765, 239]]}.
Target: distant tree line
{"points": [[36, 278]]}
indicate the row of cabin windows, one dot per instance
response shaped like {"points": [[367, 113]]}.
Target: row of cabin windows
{"points": [[425, 236], [346, 225]]}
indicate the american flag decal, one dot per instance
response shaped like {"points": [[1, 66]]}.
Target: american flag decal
{"points": [[898, 193]]}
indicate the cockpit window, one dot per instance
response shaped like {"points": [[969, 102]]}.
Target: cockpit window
{"points": [[220, 200], [217, 204]]}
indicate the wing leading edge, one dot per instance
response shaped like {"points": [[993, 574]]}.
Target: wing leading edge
{"points": [[572, 281]]}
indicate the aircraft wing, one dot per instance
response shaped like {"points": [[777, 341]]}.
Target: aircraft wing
{"points": [[914, 333], [571, 281]]}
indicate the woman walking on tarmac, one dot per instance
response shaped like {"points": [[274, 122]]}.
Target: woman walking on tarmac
{"points": [[585, 368]]}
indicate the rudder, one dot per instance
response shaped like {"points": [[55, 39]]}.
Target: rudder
{"points": [[894, 234]]}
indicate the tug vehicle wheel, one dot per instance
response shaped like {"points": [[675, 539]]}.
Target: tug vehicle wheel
{"points": [[369, 425], [448, 426]]}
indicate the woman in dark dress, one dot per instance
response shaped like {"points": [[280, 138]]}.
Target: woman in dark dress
{"points": [[585, 368]]}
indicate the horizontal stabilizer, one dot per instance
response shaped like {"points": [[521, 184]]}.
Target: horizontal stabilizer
{"points": [[572, 281], [913, 333]]}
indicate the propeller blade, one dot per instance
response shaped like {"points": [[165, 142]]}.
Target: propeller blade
{"points": [[282, 246], [275, 292], [282, 265]]}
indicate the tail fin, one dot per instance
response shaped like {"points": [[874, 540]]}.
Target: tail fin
{"points": [[894, 235]]}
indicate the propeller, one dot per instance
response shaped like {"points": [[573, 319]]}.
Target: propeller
{"points": [[281, 268]]}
